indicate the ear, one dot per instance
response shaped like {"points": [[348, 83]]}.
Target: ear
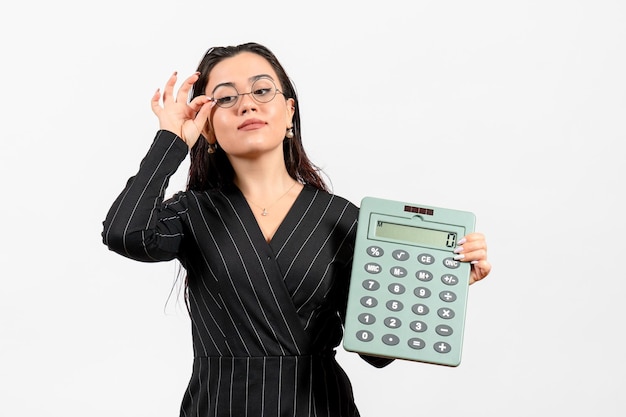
{"points": [[208, 134], [291, 109]]}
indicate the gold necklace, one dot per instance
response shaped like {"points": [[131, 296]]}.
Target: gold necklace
{"points": [[264, 211]]}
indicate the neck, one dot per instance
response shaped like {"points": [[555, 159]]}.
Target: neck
{"points": [[262, 180]]}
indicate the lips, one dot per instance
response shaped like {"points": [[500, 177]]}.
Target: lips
{"points": [[251, 124]]}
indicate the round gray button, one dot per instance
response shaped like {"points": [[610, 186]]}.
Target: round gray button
{"points": [[367, 318], [420, 309], [396, 288], [365, 336], [451, 263], [422, 292], [445, 313], [400, 255], [371, 285], [418, 326], [398, 272], [426, 259], [424, 275], [444, 330], [375, 251], [416, 343], [369, 302], [394, 305], [391, 339], [392, 322], [442, 347], [449, 279], [447, 296]]}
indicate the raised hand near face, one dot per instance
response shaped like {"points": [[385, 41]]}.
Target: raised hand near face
{"points": [[176, 114]]}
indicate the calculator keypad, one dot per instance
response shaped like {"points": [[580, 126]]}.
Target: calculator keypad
{"points": [[412, 304]]}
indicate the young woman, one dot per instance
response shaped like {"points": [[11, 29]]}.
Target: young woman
{"points": [[266, 248]]}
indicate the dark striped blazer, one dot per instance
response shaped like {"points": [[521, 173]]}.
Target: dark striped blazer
{"points": [[266, 317]]}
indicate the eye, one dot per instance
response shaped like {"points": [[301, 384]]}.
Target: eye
{"points": [[260, 92], [225, 95], [263, 89], [226, 100]]}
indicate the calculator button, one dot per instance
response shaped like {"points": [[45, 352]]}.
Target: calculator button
{"points": [[366, 318], [451, 263], [398, 272], [420, 309], [372, 268], [369, 302], [391, 339], [392, 322], [442, 347], [371, 285], [394, 305], [375, 251], [424, 275], [422, 292], [400, 255], [426, 259], [396, 288], [444, 330], [418, 326], [447, 296], [445, 313], [365, 336], [416, 343], [449, 279]]}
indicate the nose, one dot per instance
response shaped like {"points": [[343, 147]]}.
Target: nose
{"points": [[246, 103]]}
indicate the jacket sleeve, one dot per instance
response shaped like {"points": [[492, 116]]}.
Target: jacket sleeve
{"points": [[139, 225]]}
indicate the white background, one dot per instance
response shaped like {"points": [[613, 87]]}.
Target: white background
{"points": [[514, 110]]}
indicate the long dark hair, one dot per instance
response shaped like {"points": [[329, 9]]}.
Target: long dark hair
{"points": [[213, 170]]}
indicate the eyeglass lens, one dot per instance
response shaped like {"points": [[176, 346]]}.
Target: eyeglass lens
{"points": [[263, 90]]}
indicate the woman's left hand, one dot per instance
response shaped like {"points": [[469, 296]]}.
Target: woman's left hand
{"points": [[473, 248]]}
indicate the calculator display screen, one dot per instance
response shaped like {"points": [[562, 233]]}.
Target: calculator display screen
{"points": [[437, 239]]}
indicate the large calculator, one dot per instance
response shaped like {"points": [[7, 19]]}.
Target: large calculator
{"points": [[408, 295]]}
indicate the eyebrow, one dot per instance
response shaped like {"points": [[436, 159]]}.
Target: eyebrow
{"points": [[251, 80]]}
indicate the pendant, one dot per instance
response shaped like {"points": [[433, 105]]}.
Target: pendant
{"points": [[264, 213]]}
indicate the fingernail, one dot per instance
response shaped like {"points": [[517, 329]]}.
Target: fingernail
{"points": [[462, 241], [458, 249], [459, 257], [474, 262]]}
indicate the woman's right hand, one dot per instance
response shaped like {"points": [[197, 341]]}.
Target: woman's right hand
{"points": [[177, 115]]}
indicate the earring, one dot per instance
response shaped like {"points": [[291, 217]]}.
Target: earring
{"points": [[289, 134], [212, 148]]}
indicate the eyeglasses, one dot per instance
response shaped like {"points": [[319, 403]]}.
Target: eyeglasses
{"points": [[263, 90]]}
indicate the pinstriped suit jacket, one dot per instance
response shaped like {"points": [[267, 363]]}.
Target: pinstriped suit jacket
{"points": [[266, 317]]}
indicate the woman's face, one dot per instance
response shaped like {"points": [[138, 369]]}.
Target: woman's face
{"points": [[248, 128]]}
